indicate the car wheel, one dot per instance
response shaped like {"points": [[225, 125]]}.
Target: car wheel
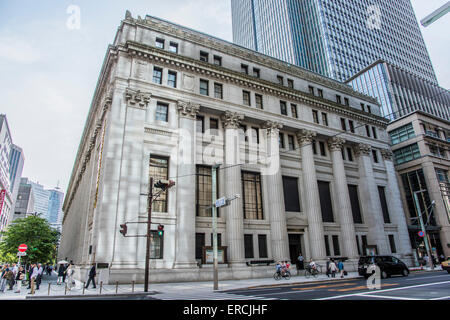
{"points": [[384, 275], [448, 271], [405, 272]]}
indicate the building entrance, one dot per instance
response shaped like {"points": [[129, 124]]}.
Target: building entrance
{"points": [[295, 248]]}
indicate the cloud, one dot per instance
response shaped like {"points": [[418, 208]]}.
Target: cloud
{"points": [[17, 50]]}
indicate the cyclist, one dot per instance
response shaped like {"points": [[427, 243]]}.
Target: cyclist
{"points": [[278, 267], [312, 265]]}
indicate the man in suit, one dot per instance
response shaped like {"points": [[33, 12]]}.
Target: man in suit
{"points": [[92, 274]]}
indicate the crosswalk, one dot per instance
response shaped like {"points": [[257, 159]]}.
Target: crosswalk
{"points": [[206, 296]]}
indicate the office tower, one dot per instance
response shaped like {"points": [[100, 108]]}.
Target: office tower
{"points": [[335, 38], [24, 201], [6, 199], [16, 161]]}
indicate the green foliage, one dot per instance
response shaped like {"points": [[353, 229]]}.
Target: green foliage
{"points": [[36, 233], [8, 257]]}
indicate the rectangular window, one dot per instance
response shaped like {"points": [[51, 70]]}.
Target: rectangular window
{"points": [[363, 107], [218, 61], [392, 243], [214, 126], [157, 75], [259, 101], [283, 108], [204, 87], [323, 152], [255, 135], [243, 133], [291, 196], [252, 197], [352, 127], [159, 170], [349, 154], [406, 154], [218, 91], [343, 124], [173, 47], [262, 245], [364, 244], [311, 90], [338, 99], [346, 102], [313, 143], [246, 98], [281, 140], [291, 142], [324, 119], [172, 79], [204, 191], [384, 206], [374, 131], [156, 245], [294, 111], [204, 56], [315, 116], [337, 250], [200, 124], [244, 68], [327, 246], [290, 83], [320, 93], [159, 43], [162, 113], [325, 201], [248, 246], [199, 244], [358, 245], [402, 134], [375, 156], [369, 110], [256, 73], [354, 201], [219, 239], [280, 80], [368, 131]]}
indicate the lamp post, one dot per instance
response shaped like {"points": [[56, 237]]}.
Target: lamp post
{"points": [[422, 227], [214, 218]]}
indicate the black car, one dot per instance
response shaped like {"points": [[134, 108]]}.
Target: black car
{"points": [[388, 265]]}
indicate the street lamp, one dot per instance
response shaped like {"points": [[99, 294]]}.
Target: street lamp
{"points": [[422, 227]]}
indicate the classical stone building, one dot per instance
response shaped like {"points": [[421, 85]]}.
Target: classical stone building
{"points": [[314, 170]]}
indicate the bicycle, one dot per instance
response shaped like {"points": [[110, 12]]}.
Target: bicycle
{"points": [[277, 275], [311, 272]]}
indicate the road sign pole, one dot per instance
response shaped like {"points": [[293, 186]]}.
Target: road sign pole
{"points": [[422, 226], [214, 218], [147, 254]]}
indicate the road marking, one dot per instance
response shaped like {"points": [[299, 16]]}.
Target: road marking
{"points": [[325, 286], [387, 297], [385, 290], [441, 298], [362, 287], [289, 292]]}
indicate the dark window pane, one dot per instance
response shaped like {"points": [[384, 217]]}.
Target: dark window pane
{"points": [[200, 124], [291, 196], [172, 79], [162, 112], [248, 246], [159, 170], [199, 244], [204, 191], [325, 201], [204, 90], [262, 244], [258, 101], [294, 110], [354, 201], [384, 207], [283, 108], [337, 250], [157, 75], [252, 197], [327, 246], [392, 243], [156, 245]]}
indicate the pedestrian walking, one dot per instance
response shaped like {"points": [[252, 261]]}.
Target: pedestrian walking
{"points": [[65, 272], [92, 274], [19, 277], [341, 268], [39, 276], [301, 261], [10, 278], [3, 280], [61, 274], [34, 274], [70, 272], [332, 268]]}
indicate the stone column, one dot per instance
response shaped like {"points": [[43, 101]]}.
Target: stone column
{"points": [[311, 193], [370, 200], [185, 241], [274, 183], [232, 175], [343, 206], [396, 207]]}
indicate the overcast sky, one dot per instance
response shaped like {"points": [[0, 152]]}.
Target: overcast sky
{"points": [[48, 72]]}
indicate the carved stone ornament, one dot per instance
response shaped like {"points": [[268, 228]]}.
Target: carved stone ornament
{"points": [[363, 149], [187, 109], [305, 136], [137, 99], [386, 154], [273, 128], [232, 120], [336, 143]]}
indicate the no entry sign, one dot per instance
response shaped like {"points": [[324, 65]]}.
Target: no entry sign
{"points": [[23, 248], [421, 234]]}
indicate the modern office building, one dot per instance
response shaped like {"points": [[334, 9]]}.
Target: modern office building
{"points": [[24, 201], [313, 169], [400, 92], [420, 143], [334, 38], [55, 202], [16, 162], [6, 201]]}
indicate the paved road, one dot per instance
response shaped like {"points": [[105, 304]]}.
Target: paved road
{"points": [[417, 286]]}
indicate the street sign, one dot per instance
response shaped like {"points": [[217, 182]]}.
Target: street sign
{"points": [[23, 248], [221, 202], [421, 234], [21, 254]]}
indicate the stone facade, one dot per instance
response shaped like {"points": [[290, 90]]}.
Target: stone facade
{"points": [[156, 98]]}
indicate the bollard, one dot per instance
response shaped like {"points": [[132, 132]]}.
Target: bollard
{"points": [[65, 289], [101, 286], [84, 287], [117, 285], [49, 288], [132, 286]]}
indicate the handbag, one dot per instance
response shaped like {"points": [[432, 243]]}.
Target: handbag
{"points": [[345, 273]]}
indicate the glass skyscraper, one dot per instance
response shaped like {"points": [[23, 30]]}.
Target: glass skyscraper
{"points": [[336, 38]]}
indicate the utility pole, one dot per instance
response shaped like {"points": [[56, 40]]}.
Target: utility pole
{"points": [[214, 218], [422, 226], [149, 224]]}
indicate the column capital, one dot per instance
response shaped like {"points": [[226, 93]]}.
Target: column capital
{"points": [[273, 128], [187, 109], [386, 154], [336, 143], [305, 136], [137, 99], [363, 149], [232, 120]]}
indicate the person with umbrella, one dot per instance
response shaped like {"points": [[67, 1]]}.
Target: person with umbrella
{"points": [[61, 272]]}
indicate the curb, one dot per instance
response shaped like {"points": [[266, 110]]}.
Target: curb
{"points": [[150, 293]]}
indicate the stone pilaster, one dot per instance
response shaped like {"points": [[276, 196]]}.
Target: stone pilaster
{"points": [[311, 195], [274, 183], [370, 200], [185, 241], [233, 185], [343, 204], [396, 210]]}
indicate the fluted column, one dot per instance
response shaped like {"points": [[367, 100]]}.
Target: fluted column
{"points": [[274, 183], [370, 200], [396, 207], [343, 204], [233, 185], [311, 192], [185, 241]]}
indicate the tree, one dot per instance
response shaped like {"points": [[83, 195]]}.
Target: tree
{"points": [[36, 233]]}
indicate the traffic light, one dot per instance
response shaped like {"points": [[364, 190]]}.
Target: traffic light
{"points": [[164, 184], [124, 229], [160, 230]]}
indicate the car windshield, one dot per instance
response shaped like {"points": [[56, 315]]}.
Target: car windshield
{"points": [[366, 260]]}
